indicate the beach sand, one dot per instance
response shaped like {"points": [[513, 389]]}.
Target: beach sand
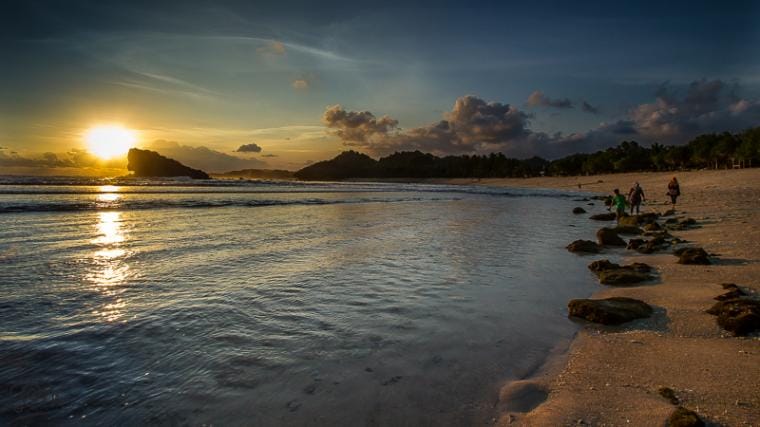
{"points": [[611, 376]]}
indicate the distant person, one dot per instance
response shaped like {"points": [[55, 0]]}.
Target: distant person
{"points": [[618, 202], [635, 197], [674, 190]]}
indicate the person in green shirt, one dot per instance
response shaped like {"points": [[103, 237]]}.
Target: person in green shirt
{"points": [[619, 203]]}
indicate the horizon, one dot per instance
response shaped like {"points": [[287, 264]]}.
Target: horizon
{"points": [[237, 86]]}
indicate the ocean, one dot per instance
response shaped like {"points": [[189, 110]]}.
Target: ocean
{"points": [[261, 303]]}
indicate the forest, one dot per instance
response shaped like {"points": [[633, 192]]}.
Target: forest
{"points": [[719, 150]]}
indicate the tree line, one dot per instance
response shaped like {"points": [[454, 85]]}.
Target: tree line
{"points": [[721, 150]]}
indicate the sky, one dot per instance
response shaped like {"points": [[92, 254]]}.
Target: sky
{"points": [[226, 85]]}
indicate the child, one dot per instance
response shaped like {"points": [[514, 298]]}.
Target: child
{"points": [[619, 203]]}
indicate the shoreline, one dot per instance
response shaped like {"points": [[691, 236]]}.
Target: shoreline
{"points": [[611, 376]]}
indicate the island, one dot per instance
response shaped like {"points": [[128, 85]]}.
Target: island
{"points": [[149, 164]]}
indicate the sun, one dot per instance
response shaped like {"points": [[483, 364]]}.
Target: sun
{"points": [[108, 141]]}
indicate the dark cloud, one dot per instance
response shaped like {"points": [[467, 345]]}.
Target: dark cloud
{"points": [[249, 148], [73, 159], [538, 99], [707, 106], [204, 158], [476, 126], [588, 108]]}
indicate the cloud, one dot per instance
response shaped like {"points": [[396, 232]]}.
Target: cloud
{"points": [[538, 99], [274, 47], [476, 126], [707, 106], [357, 127], [75, 158], [249, 148], [300, 84], [472, 125], [203, 158], [588, 108]]}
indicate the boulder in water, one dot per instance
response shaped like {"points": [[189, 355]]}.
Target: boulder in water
{"points": [[579, 210], [609, 237], [601, 265], [635, 243], [652, 226], [584, 246], [629, 220], [609, 311]]}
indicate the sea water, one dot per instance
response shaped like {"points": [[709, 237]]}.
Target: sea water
{"points": [[277, 303]]}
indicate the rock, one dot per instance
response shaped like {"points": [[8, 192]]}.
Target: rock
{"points": [[740, 316], [693, 256], [689, 221], [627, 229], [579, 210], [652, 226], [669, 212], [647, 218], [604, 217], [635, 243], [671, 221], [630, 221], [584, 246], [668, 394], [609, 311], [640, 267], [609, 237], [622, 277], [602, 265], [683, 417], [146, 164], [733, 292]]}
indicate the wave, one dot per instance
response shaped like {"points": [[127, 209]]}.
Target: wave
{"points": [[66, 206]]}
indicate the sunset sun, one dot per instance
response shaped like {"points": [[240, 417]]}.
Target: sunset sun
{"points": [[107, 141]]}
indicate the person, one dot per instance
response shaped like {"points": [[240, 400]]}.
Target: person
{"points": [[635, 197], [618, 201], [674, 190]]}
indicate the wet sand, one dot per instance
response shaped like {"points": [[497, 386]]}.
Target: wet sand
{"points": [[611, 376]]}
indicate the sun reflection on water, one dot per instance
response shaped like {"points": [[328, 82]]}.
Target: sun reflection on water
{"points": [[110, 269]]}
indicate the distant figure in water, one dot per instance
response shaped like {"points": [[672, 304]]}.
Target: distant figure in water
{"points": [[618, 201], [635, 197], [674, 190]]}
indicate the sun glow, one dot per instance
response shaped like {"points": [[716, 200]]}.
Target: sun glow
{"points": [[109, 141]]}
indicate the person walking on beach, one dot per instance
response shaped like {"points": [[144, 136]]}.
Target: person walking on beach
{"points": [[674, 190], [635, 197], [618, 201]]}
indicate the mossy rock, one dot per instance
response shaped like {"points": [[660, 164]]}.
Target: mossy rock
{"points": [[604, 216], [668, 394], [635, 243], [683, 417], [622, 277], [652, 226], [584, 246], [627, 229], [629, 221], [601, 265], [740, 316], [609, 237], [692, 256], [609, 311]]}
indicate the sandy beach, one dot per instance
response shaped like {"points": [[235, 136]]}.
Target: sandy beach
{"points": [[611, 376]]}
